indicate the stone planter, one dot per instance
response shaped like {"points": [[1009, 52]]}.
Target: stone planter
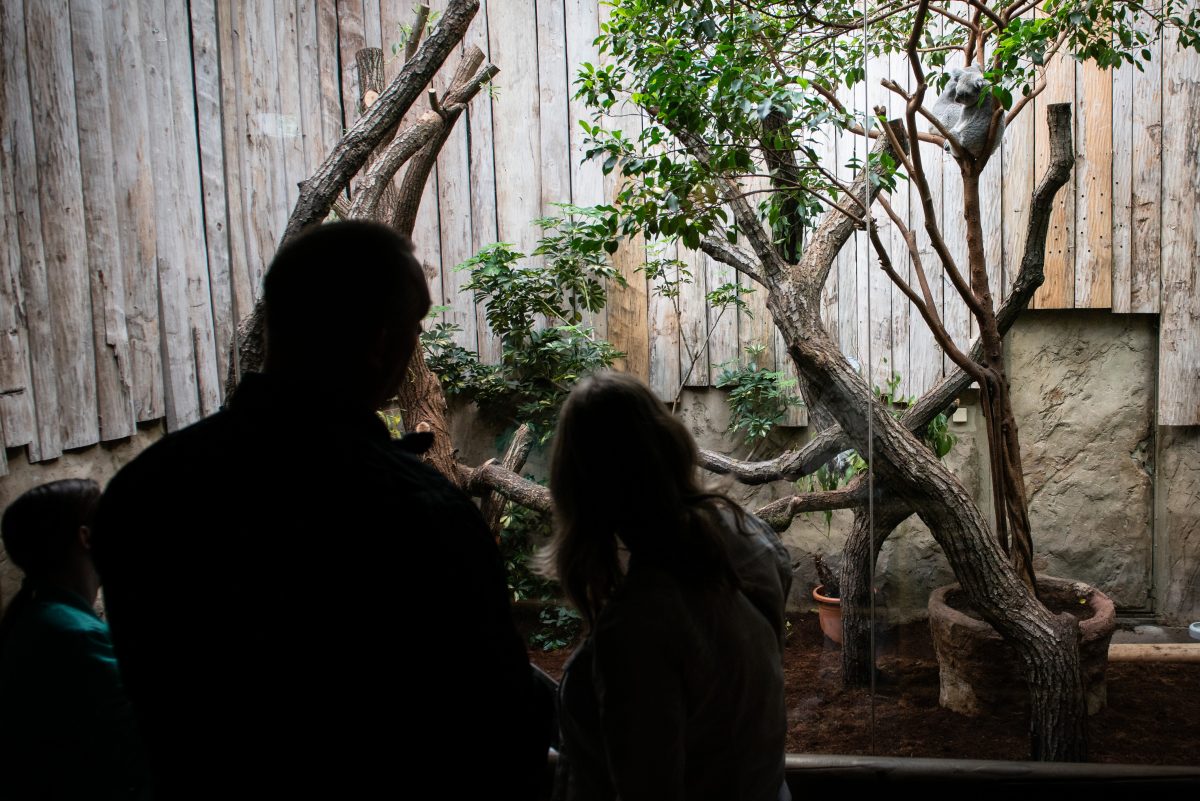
{"points": [[979, 672]]}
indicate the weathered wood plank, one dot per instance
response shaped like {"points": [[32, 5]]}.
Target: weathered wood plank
{"points": [[483, 178], [516, 115], [722, 322], [1179, 331], [1122, 185], [693, 321], [350, 39], [553, 114], [243, 276], [955, 314], [1017, 158], [1059, 290], [992, 201], [206, 69], [328, 76], [197, 289], [17, 414], [372, 31], [291, 122], [310, 81], [847, 262], [587, 180], [16, 389], [179, 364], [107, 279], [664, 375], [902, 312], [36, 300], [879, 320], [1093, 187], [925, 355], [454, 198], [1148, 219], [755, 326], [48, 39], [137, 221]]}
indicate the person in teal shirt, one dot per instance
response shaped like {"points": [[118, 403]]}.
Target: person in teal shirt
{"points": [[66, 728]]}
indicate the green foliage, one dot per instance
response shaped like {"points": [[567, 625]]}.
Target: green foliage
{"points": [[758, 399], [536, 309], [522, 530], [560, 627]]}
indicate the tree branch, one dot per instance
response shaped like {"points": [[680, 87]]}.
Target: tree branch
{"points": [[720, 249]]}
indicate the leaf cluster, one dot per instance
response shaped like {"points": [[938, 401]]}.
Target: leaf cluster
{"points": [[758, 399]]}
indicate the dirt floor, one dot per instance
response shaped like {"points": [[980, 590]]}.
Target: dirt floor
{"points": [[1153, 714]]}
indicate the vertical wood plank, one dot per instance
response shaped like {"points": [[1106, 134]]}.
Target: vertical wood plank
{"points": [[992, 203], [205, 58], [826, 152], [242, 243], [955, 314], [350, 39], [902, 312], [516, 115], [847, 265], [197, 287], [755, 326], [1017, 159], [1059, 290], [1093, 187], [693, 321], [483, 178], [1179, 332], [310, 82], [372, 32], [179, 366], [291, 124], [17, 414], [137, 222], [1148, 175], [925, 355], [587, 180], [722, 322], [454, 197], [1122, 185], [329, 77], [48, 38], [22, 159], [879, 321], [107, 279], [664, 375], [553, 113]]}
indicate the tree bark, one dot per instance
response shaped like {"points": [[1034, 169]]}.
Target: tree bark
{"points": [[859, 555]]}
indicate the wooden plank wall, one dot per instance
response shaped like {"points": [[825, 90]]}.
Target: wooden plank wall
{"points": [[150, 153]]}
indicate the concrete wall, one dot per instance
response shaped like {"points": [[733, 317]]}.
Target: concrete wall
{"points": [[98, 462]]}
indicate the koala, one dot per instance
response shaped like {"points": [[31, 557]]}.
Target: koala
{"points": [[959, 109]]}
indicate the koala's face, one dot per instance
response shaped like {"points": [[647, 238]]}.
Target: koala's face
{"points": [[967, 84]]}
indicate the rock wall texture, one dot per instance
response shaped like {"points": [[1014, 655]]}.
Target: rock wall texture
{"points": [[1178, 525], [1083, 394]]}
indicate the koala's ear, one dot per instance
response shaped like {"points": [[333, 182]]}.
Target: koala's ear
{"points": [[955, 74]]}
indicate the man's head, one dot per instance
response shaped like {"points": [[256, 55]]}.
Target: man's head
{"points": [[344, 304]]}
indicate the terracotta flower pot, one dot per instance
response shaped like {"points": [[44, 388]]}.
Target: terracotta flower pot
{"points": [[829, 612], [979, 672]]}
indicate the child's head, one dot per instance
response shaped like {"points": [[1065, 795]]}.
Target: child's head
{"points": [[43, 530]]}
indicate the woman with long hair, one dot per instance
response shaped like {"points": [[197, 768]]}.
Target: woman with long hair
{"points": [[677, 693], [68, 730]]}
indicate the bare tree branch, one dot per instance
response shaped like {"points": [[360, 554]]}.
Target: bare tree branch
{"points": [[720, 249]]}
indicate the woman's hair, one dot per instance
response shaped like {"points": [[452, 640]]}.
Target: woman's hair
{"points": [[624, 466], [40, 529]]}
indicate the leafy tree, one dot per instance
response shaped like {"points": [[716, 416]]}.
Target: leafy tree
{"points": [[734, 93]]}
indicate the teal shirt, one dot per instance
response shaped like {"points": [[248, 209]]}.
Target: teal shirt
{"points": [[66, 728]]}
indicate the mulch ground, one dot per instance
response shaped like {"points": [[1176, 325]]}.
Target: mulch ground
{"points": [[1152, 718]]}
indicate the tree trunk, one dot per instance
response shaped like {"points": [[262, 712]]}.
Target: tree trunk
{"points": [[423, 406], [859, 555]]}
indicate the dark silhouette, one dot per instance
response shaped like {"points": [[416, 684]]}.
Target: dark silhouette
{"points": [[273, 571], [678, 690], [67, 730]]}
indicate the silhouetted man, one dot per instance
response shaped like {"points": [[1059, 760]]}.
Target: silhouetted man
{"points": [[299, 606]]}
